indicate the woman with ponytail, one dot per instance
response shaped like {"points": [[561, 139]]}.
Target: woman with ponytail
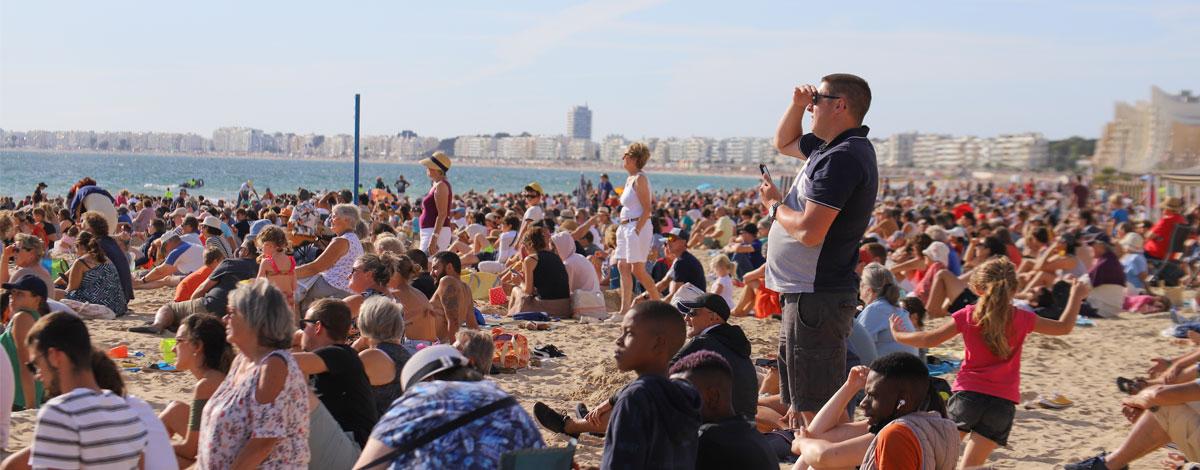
{"points": [[93, 279], [878, 290], [988, 386]]}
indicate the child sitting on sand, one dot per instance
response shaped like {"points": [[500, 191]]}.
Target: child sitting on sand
{"points": [[988, 386], [276, 263], [723, 286]]}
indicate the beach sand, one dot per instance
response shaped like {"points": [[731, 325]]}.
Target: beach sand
{"points": [[1081, 366]]}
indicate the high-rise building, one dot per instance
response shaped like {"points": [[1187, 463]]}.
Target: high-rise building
{"points": [[579, 122], [1160, 134]]}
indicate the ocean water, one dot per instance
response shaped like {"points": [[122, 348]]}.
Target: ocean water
{"points": [[20, 172]]}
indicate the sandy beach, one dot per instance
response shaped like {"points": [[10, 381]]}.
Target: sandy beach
{"points": [[1081, 366]]}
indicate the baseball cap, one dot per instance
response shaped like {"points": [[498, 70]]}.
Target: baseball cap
{"points": [[28, 283], [710, 301], [430, 361], [535, 187], [677, 232]]}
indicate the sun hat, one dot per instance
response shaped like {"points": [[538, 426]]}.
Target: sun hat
{"points": [[212, 221], [438, 161], [939, 252], [179, 212], [430, 361]]}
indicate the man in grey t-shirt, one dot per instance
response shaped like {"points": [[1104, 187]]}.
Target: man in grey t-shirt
{"points": [[815, 236]]}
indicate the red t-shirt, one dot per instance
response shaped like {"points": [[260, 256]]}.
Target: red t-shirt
{"points": [[1014, 254], [961, 209], [1163, 228], [186, 287], [983, 372]]}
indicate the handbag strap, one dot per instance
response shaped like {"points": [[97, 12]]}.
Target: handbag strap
{"points": [[442, 430]]}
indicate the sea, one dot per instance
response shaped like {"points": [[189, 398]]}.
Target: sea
{"points": [[21, 171]]}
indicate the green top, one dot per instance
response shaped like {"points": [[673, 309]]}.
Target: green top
{"points": [[10, 347]]}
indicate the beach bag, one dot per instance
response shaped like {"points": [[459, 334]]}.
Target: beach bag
{"points": [[480, 283], [512, 349], [588, 303], [496, 296], [766, 302]]}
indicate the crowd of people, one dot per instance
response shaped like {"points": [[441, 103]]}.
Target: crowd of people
{"points": [[335, 330]]}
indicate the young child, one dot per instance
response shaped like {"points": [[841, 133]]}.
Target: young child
{"points": [[656, 420], [276, 263], [723, 286], [988, 385]]}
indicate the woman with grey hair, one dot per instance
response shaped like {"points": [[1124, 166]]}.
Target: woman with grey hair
{"points": [[333, 267], [879, 291], [381, 323], [259, 416]]}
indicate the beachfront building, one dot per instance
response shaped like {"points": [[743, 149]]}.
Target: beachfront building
{"points": [[472, 146], [614, 146], [515, 148], [237, 140], [896, 150], [1162, 133], [1018, 151], [579, 122], [925, 150], [582, 149]]}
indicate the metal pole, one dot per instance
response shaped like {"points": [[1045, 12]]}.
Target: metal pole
{"points": [[354, 191]]}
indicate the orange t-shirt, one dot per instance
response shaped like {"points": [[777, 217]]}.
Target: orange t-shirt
{"points": [[188, 285], [896, 448]]}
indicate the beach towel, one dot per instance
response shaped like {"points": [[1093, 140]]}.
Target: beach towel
{"points": [[532, 316]]}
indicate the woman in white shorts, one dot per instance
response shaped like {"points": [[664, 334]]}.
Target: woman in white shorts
{"points": [[435, 207], [635, 233]]}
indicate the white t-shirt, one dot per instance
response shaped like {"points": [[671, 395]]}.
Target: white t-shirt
{"points": [[535, 213], [88, 429], [726, 289], [193, 238], [475, 229], [160, 454], [508, 247], [186, 258]]}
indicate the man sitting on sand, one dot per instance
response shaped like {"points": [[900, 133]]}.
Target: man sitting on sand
{"points": [[452, 296], [707, 320], [1160, 414], [686, 269], [905, 438], [182, 258], [726, 439]]}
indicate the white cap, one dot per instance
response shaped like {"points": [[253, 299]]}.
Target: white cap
{"points": [[430, 361], [939, 252]]}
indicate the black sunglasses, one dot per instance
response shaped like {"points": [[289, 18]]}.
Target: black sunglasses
{"points": [[32, 366], [530, 195], [307, 321], [816, 97]]}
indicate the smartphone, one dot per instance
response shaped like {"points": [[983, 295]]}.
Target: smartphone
{"points": [[763, 169], [764, 362]]}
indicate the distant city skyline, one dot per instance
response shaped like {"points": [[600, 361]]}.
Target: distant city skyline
{"points": [[644, 67]]}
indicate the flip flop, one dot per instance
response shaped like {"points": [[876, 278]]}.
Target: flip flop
{"points": [[1056, 402]]}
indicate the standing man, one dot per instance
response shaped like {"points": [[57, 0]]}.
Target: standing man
{"points": [[815, 234], [604, 190], [401, 185]]}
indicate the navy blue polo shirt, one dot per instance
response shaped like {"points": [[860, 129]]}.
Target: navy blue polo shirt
{"points": [[843, 175]]}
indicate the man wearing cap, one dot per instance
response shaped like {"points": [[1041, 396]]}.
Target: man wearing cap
{"points": [[1158, 238], [435, 206], [1133, 262], [534, 213], [686, 269], [746, 249], [29, 296], [439, 387], [182, 258], [814, 239], [708, 329], [1108, 277]]}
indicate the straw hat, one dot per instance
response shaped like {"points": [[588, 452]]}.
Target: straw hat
{"points": [[1174, 203], [438, 161]]}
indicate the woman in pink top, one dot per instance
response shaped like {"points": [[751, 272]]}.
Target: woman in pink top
{"points": [[988, 385]]}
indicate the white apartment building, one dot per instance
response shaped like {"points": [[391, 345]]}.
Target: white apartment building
{"points": [[613, 147], [1019, 151], [468, 146], [581, 149], [515, 148], [1161, 133], [896, 150], [925, 149]]}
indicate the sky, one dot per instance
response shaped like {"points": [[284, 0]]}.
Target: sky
{"points": [[645, 67]]}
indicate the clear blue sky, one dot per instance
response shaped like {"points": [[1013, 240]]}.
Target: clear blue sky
{"points": [[646, 67]]}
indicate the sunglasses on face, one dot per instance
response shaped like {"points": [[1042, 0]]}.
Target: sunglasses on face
{"points": [[816, 97], [32, 366], [307, 321], [530, 196]]}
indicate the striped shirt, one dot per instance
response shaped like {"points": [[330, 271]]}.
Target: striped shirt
{"points": [[88, 429]]}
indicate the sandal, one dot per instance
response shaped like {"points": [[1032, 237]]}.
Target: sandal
{"points": [[551, 419], [1131, 386]]}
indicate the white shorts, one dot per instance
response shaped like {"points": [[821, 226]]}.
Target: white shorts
{"points": [[633, 245], [444, 239]]}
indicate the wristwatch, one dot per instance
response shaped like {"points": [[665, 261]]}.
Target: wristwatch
{"points": [[774, 209]]}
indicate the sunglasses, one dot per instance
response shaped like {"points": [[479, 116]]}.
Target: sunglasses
{"points": [[307, 321], [32, 366], [530, 195], [816, 97]]}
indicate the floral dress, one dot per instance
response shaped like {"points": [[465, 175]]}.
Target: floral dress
{"points": [[232, 417]]}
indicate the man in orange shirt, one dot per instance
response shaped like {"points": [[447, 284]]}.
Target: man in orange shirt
{"points": [[186, 287], [897, 386]]}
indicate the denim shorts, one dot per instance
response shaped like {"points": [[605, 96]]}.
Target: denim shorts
{"points": [[985, 415]]}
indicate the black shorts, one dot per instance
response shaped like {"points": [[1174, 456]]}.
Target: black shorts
{"points": [[985, 415], [963, 300]]}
